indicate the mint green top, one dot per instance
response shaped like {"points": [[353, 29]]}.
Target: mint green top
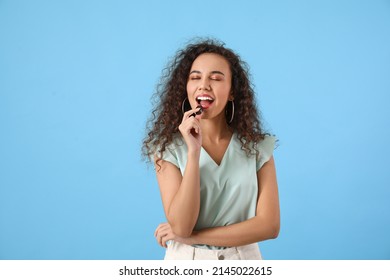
{"points": [[228, 192]]}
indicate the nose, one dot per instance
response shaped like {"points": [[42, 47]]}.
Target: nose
{"points": [[204, 85]]}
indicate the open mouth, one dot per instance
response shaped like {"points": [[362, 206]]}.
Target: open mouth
{"points": [[204, 101]]}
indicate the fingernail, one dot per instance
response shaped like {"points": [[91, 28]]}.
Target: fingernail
{"points": [[200, 110]]}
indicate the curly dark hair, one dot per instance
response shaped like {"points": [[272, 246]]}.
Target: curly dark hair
{"points": [[171, 91]]}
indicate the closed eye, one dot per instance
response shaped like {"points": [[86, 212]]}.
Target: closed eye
{"points": [[215, 78]]}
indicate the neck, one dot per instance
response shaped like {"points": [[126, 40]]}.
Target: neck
{"points": [[215, 129]]}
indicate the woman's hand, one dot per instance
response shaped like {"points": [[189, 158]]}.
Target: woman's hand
{"points": [[191, 131], [164, 233]]}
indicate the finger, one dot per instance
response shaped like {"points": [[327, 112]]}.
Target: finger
{"points": [[195, 128], [165, 239], [198, 112], [157, 230], [198, 116], [189, 113], [162, 232], [164, 242], [188, 126], [159, 239], [159, 227]]}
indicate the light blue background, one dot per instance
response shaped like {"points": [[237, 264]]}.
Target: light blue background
{"points": [[76, 79]]}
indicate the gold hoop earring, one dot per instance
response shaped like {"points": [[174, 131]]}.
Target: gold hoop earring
{"points": [[232, 115], [183, 104]]}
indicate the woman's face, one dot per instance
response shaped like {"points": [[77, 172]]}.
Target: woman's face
{"points": [[209, 84]]}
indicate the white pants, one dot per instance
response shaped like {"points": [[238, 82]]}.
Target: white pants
{"points": [[180, 251]]}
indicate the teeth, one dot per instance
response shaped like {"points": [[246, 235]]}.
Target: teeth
{"points": [[204, 98]]}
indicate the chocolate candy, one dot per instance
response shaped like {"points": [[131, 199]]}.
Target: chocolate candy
{"points": [[197, 112]]}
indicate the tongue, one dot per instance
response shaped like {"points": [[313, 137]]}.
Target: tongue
{"points": [[205, 104]]}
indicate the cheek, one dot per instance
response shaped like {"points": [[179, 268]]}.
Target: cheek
{"points": [[190, 86], [224, 91], [190, 93]]}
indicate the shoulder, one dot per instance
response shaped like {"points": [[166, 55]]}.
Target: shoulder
{"points": [[177, 143], [265, 149], [174, 152], [267, 143], [167, 147]]}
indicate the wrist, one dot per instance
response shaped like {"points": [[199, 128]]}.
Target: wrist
{"points": [[193, 154], [193, 239], [190, 240]]}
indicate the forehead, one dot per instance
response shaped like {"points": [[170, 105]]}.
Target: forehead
{"points": [[207, 62]]}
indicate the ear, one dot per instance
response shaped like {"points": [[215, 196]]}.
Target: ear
{"points": [[231, 95]]}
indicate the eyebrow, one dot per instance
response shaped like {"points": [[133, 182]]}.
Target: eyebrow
{"points": [[212, 72]]}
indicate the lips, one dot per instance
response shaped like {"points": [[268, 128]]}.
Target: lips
{"points": [[204, 100]]}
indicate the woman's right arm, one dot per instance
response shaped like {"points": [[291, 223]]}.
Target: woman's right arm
{"points": [[181, 194]]}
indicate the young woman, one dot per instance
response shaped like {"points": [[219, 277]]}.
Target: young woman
{"points": [[213, 161]]}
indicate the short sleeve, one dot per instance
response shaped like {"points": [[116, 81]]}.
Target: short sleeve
{"points": [[266, 148], [170, 156]]}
